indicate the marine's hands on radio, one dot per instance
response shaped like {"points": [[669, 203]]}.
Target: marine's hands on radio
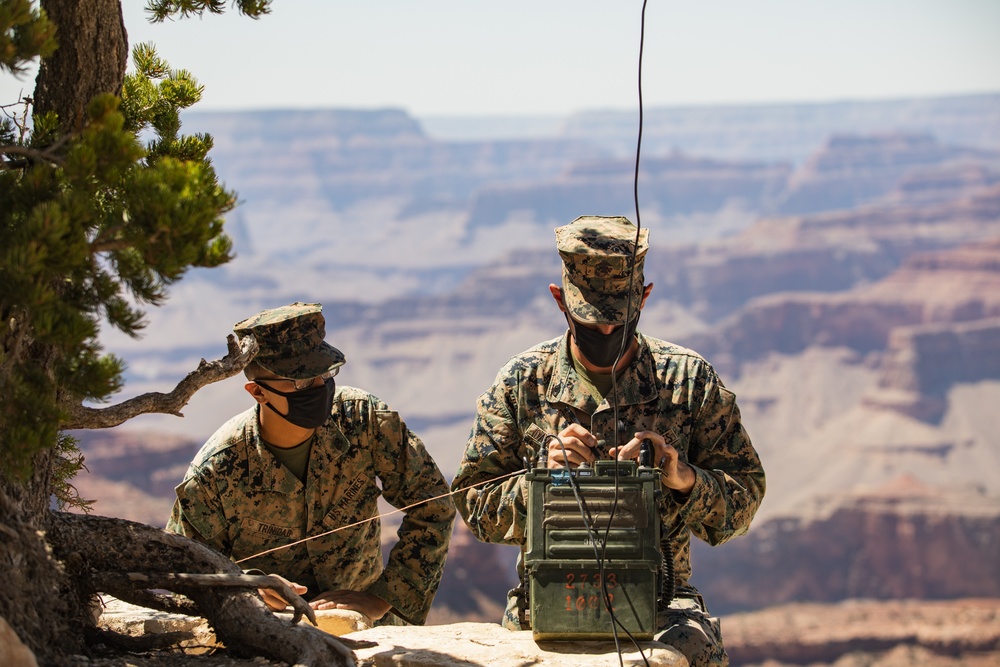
{"points": [[575, 444], [674, 473]]}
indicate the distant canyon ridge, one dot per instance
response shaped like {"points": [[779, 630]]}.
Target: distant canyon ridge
{"points": [[838, 263]]}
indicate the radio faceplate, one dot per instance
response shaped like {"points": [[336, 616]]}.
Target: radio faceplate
{"points": [[564, 578]]}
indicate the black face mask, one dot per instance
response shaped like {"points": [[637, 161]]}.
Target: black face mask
{"points": [[308, 408], [601, 349]]}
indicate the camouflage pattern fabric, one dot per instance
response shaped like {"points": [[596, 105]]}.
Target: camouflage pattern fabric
{"points": [[237, 498], [598, 268], [666, 389], [687, 626], [291, 341]]}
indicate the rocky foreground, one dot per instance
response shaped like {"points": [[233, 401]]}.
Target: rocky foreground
{"points": [[853, 633]]}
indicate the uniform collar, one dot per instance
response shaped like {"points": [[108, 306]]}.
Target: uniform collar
{"points": [[273, 475], [635, 383]]}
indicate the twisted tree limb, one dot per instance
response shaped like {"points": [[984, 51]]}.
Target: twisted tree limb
{"points": [[239, 355], [90, 547], [185, 581]]}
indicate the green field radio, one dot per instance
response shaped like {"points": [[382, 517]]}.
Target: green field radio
{"points": [[564, 580]]}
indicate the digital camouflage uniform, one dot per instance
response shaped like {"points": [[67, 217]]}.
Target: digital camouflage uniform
{"points": [[239, 499], [666, 389]]}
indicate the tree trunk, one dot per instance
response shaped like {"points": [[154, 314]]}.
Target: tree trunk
{"points": [[91, 58], [37, 597], [34, 600]]}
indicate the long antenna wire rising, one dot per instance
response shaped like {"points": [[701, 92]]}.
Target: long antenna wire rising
{"points": [[624, 346]]}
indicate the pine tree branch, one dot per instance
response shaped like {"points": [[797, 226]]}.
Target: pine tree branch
{"points": [[41, 156], [239, 355], [108, 241], [99, 246], [20, 123]]}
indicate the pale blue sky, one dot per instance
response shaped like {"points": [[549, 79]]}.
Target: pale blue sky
{"points": [[483, 57]]}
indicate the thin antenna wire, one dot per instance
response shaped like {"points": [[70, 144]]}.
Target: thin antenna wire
{"points": [[638, 229], [638, 141], [379, 516], [624, 346]]}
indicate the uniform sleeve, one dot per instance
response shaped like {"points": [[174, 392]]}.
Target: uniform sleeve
{"points": [[492, 500], [410, 478], [197, 513], [730, 479]]}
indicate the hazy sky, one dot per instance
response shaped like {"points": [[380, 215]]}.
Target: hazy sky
{"points": [[557, 56]]}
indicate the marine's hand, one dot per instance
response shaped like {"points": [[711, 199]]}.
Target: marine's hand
{"points": [[370, 605], [674, 473], [577, 446], [275, 601]]}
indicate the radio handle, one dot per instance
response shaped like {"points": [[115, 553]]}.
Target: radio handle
{"points": [[646, 453]]}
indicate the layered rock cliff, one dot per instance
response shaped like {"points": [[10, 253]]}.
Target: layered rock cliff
{"points": [[935, 290], [904, 540], [851, 170]]}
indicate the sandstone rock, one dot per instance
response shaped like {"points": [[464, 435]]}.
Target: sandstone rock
{"points": [[338, 622], [470, 644], [972, 351], [788, 132], [905, 540], [851, 169], [128, 619], [852, 633], [943, 182], [457, 644], [949, 287], [677, 185], [348, 156], [925, 631], [13, 652]]}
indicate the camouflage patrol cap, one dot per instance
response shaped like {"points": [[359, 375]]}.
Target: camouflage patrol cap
{"points": [[597, 263], [291, 341]]}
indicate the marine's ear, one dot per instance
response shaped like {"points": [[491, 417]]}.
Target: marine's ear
{"points": [[256, 391], [556, 292], [645, 295]]}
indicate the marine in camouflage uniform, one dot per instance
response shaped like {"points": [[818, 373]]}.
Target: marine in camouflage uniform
{"points": [[666, 393], [239, 498]]}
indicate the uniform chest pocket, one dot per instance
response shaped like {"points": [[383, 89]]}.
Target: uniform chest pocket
{"points": [[256, 536], [534, 440], [357, 503]]}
